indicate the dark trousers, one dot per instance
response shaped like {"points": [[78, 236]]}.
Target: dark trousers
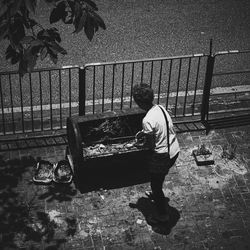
{"points": [[156, 181]]}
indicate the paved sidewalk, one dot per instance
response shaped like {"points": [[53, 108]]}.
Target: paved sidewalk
{"points": [[210, 205]]}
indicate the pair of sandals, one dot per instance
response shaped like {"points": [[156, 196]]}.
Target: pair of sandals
{"points": [[46, 172]]}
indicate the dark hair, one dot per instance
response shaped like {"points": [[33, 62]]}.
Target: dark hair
{"points": [[142, 93]]}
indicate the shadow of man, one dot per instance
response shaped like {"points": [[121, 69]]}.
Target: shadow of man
{"points": [[149, 211]]}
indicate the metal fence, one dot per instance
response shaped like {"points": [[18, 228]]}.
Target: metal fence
{"points": [[178, 84], [230, 83], [39, 101], [187, 85]]}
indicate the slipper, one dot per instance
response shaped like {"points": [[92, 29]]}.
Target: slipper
{"points": [[43, 172], [62, 172]]}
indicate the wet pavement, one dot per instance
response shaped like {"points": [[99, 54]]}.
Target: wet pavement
{"points": [[209, 205]]}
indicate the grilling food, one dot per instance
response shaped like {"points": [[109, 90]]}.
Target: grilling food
{"points": [[116, 148]]}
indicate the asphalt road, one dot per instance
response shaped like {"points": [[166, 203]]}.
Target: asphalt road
{"points": [[139, 29]]}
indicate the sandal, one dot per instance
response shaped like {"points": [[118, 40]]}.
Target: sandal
{"points": [[62, 172], [43, 172]]}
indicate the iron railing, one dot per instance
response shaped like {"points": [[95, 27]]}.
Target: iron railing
{"points": [[186, 85], [39, 101], [177, 82], [230, 84]]}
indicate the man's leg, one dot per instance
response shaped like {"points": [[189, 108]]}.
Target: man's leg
{"points": [[157, 180]]}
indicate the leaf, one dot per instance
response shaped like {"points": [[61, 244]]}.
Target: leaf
{"points": [[30, 56], [54, 34], [44, 53], [31, 63], [72, 6], [34, 50], [57, 48], [89, 28], [3, 9], [52, 55], [27, 39], [29, 23], [51, 1], [43, 35], [58, 13], [10, 52], [15, 58], [79, 24], [4, 28], [98, 20], [36, 42], [91, 4], [77, 10], [22, 67], [15, 7], [53, 58], [32, 22], [18, 31], [30, 5]]}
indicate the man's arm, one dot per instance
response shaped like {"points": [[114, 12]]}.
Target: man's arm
{"points": [[146, 139]]}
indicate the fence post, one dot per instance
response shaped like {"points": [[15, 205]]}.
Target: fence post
{"points": [[207, 85], [82, 90]]}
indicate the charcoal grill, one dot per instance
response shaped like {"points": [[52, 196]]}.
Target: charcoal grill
{"points": [[112, 153]]}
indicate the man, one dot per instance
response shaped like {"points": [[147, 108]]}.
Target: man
{"points": [[159, 135]]}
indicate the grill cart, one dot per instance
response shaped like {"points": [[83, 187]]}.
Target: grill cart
{"points": [[101, 149]]}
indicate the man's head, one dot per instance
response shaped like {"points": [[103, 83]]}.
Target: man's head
{"points": [[143, 96]]}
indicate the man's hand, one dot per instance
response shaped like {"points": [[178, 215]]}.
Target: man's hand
{"points": [[144, 140], [139, 136]]}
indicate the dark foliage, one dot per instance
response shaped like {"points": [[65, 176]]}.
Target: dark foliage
{"points": [[29, 40]]}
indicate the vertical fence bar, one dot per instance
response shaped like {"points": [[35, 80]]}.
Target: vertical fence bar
{"points": [[50, 100], [169, 81], [60, 96], [21, 100], [93, 104], [159, 85], [187, 83], [132, 84], [12, 106], [70, 93], [207, 85], [151, 73], [41, 99], [113, 86], [31, 103], [2, 108], [82, 90], [142, 71], [196, 84], [103, 86], [178, 85], [123, 66]]}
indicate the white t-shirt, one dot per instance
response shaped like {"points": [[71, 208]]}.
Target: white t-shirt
{"points": [[154, 122]]}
